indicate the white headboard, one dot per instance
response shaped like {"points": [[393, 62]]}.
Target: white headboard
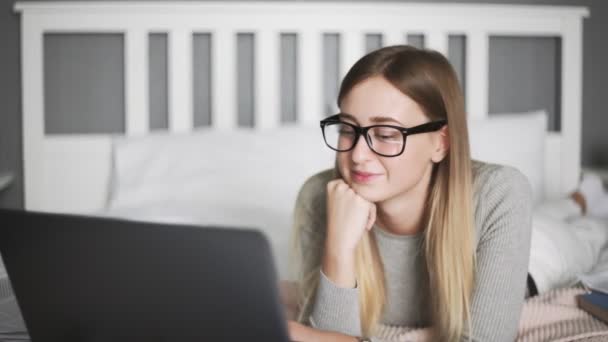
{"points": [[70, 173]]}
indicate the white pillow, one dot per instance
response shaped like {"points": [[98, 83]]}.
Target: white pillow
{"points": [[222, 159], [241, 177], [515, 139]]}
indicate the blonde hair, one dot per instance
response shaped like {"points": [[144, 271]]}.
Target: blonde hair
{"points": [[426, 77]]}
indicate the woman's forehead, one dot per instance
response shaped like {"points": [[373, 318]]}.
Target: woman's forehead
{"points": [[375, 100]]}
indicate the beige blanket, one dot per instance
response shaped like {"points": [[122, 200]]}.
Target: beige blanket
{"points": [[551, 316]]}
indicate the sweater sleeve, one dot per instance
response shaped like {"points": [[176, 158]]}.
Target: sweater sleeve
{"points": [[336, 308], [328, 307], [503, 253]]}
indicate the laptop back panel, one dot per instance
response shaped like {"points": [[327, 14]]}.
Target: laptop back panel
{"points": [[88, 278]]}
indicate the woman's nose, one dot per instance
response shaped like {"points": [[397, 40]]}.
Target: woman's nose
{"points": [[361, 152]]}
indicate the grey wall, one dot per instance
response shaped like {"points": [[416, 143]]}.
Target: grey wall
{"points": [[77, 97], [10, 104], [509, 91]]}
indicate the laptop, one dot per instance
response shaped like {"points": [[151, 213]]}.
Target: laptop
{"points": [[88, 278]]}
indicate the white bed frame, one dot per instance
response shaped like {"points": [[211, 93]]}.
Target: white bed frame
{"points": [[70, 173]]}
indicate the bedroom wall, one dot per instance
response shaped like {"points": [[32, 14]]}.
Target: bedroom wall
{"points": [[505, 86]]}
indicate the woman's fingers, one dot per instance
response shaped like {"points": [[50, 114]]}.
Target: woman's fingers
{"points": [[333, 184]]}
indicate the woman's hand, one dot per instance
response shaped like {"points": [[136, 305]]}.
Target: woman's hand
{"points": [[302, 333], [289, 297], [349, 216]]}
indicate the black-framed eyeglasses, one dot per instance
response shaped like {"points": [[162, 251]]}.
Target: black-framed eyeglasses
{"points": [[384, 140]]}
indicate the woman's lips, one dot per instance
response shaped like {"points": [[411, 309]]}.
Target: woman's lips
{"points": [[364, 177]]}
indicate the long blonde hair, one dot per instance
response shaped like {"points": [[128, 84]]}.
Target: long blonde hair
{"points": [[426, 77]]}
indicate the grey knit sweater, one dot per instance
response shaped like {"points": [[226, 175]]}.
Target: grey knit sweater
{"points": [[503, 217]]}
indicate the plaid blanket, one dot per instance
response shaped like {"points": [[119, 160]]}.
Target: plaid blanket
{"points": [[550, 316]]}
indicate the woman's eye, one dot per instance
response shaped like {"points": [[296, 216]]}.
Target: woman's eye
{"points": [[387, 136], [346, 130]]}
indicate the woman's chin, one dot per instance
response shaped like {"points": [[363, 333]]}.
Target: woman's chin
{"points": [[370, 194]]}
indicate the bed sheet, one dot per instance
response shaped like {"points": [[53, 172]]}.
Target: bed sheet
{"points": [[566, 245], [601, 266], [12, 326]]}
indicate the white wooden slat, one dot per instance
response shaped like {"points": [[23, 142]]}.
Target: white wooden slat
{"points": [[394, 38], [477, 71], [571, 103], [236, 20], [436, 40], [553, 173], [223, 79], [352, 47], [136, 82], [183, 8], [310, 67], [266, 74], [166, 15], [33, 111], [228, 19], [180, 80]]}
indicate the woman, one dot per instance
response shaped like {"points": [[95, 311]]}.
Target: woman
{"points": [[407, 230]]}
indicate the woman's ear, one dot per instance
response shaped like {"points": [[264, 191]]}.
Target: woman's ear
{"points": [[442, 145]]}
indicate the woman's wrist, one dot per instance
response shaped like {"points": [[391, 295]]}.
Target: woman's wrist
{"points": [[325, 336], [339, 268], [303, 333], [334, 337]]}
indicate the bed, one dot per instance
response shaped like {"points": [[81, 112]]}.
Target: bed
{"points": [[250, 179]]}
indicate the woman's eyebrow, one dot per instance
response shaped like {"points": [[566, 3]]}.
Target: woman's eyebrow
{"points": [[384, 119], [373, 119], [347, 116]]}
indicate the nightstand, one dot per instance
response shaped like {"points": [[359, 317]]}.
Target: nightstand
{"points": [[6, 178]]}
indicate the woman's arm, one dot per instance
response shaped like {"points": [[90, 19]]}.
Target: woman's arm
{"points": [[301, 333], [503, 252], [331, 307]]}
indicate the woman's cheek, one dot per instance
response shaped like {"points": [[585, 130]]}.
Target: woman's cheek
{"points": [[342, 165]]}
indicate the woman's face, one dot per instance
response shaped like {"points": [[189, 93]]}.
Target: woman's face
{"points": [[376, 178]]}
